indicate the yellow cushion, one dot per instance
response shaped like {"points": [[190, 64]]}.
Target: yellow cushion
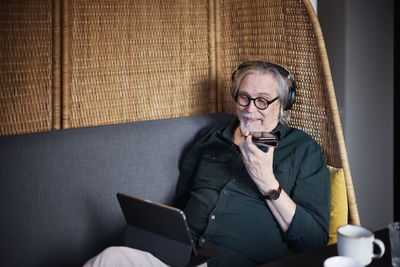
{"points": [[339, 206]]}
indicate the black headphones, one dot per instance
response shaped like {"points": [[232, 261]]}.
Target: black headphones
{"points": [[280, 69]]}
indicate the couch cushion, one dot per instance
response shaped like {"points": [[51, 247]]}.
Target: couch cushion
{"points": [[58, 189], [339, 205]]}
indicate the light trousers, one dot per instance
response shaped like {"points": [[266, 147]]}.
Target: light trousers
{"points": [[125, 257]]}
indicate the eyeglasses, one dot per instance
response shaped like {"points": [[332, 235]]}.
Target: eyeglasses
{"points": [[260, 102]]}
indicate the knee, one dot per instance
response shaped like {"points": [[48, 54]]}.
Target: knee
{"points": [[108, 257], [112, 254], [124, 256]]}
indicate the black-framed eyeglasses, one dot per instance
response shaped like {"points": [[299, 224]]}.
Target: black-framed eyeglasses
{"points": [[260, 102]]}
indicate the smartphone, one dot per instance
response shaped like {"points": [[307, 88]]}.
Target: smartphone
{"points": [[265, 139]]}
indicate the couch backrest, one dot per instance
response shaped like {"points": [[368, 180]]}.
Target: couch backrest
{"points": [[58, 189]]}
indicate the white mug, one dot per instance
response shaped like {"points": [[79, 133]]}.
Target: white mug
{"points": [[358, 242]]}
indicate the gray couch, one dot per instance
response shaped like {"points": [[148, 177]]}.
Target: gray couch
{"points": [[58, 189]]}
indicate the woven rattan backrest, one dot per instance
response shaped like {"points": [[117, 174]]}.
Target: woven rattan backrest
{"points": [[136, 60], [25, 66], [287, 33]]}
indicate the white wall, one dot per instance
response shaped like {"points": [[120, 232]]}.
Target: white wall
{"points": [[359, 40]]}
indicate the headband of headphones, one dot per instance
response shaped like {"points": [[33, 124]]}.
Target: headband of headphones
{"points": [[284, 72]]}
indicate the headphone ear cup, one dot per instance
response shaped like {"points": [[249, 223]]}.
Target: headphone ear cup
{"points": [[291, 97]]}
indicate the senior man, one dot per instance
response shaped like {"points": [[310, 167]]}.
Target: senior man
{"points": [[252, 203]]}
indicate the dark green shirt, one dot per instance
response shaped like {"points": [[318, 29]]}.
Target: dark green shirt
{"points": [[227, 212]]}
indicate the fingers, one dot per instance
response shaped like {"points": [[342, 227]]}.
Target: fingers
{"points": [[244, 151], [270, 149], [248, 149], [249, 145], [245, 157], [246, 143]]}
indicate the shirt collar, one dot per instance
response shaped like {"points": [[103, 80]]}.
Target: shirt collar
{"points": [[227, 132], [280, 130]]}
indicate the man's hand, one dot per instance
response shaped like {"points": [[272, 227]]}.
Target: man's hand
{"points": [[259, 165]]}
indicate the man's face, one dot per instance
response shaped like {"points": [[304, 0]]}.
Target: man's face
{"points": [[251, 118]]}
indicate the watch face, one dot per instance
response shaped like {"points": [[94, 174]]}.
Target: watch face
{"points": [[274, 195]]}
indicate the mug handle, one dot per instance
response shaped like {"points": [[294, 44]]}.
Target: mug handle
{"points": [[381, 246]]}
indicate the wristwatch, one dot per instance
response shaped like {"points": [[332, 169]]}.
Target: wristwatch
{"points": [[274, 195]]}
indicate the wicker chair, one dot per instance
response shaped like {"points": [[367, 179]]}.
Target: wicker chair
{"points": [[288, 33], [79, 63]]}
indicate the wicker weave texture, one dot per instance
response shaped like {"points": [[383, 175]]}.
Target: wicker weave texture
{"points": [[25, 66], [137, 60], [279, 32]]}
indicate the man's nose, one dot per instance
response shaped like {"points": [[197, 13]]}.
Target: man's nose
{"points": [[251, 107]]}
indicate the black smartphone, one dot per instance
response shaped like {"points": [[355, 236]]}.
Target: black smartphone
{"points": [[265, 139]]}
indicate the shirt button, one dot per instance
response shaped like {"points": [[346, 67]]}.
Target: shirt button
{"points": [[202, 241], [212, 217]]}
